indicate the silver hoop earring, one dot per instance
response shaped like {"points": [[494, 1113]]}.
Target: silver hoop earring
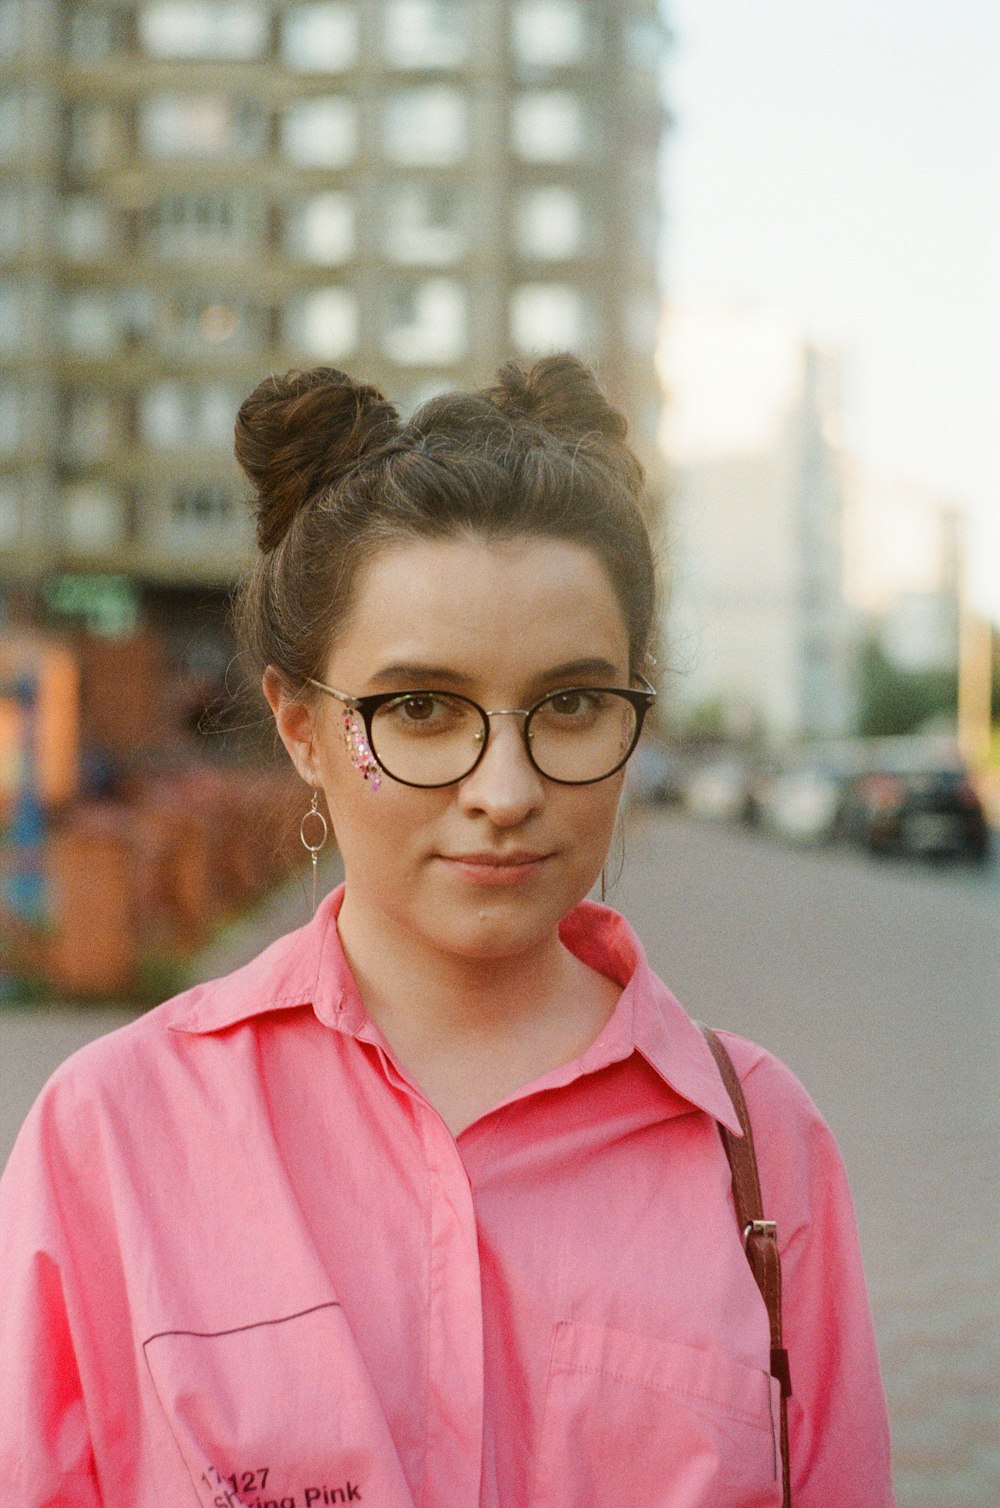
{"points": [[313, 849]]}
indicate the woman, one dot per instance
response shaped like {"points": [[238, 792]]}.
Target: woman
{"points": [[427, 1204]]}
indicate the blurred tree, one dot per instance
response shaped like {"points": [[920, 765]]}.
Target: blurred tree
{"points": [[894, 701]]}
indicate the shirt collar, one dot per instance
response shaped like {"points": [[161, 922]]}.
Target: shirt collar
{"points": [[308, 968], [648, 1018], [305, 967]]}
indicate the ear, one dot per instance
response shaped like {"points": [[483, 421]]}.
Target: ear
{"points": [[293, 718]]}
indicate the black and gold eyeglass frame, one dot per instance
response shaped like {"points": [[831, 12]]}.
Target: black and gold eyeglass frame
{"points": [[575, 735]]}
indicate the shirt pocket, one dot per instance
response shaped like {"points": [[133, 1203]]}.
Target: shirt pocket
{"points": [[277, 1413], [628, 1418]]}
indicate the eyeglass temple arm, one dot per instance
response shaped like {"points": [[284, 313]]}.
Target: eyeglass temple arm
{"points": [[349, 701]]}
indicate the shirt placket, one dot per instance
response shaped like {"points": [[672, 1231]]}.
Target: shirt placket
{"points": [[454, 1320], [454, 1330]]}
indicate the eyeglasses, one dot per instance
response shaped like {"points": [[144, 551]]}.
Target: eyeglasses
{"points": [[574, 736]]}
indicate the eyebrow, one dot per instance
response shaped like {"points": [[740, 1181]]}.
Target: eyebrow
{"points": [[432, 676]]}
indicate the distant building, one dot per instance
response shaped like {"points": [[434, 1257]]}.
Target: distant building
{"points": [[195, 192], [757, 627], [904, 568]]}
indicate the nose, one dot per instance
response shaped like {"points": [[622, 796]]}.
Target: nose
{"points": [[504, 786]]}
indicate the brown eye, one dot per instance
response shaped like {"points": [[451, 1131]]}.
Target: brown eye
{"points": [[575, 703], [567, 702], [423, 712], [415, 709]]}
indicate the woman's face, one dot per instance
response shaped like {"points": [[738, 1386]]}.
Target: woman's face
{"points": [[503, 623]]}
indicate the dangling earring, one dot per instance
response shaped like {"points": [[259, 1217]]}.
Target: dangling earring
{"points": [[360, 752], [313, 849], [620, 835]]}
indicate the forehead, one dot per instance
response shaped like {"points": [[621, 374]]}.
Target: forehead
{"points": [[487, 610]]}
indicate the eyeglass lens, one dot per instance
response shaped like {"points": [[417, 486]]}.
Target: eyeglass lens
{"points": [[434, 738]]}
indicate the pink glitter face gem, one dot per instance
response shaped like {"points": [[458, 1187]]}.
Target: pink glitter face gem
{"points": [[360, 753]]}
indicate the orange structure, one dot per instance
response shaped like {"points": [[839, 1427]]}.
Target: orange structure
{"points": [[52, 671]]}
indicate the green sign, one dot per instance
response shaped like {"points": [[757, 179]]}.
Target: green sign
{"points": [[109, 605]]}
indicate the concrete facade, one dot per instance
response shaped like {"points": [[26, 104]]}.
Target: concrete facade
{"points": [[196, 192], [757, 626]]}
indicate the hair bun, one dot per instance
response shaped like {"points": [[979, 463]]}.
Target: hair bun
{"points": [[298, 434], [559, 393]]}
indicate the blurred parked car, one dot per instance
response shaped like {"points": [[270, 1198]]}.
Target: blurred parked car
{"points": [[914, 796], [723, 789], [655, 774], [802, 799], [802, 804]]}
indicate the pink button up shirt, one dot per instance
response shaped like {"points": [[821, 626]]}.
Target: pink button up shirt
{"points": [[246, 1263]]}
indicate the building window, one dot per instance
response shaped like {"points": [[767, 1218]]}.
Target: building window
{"points": [[425, 34], [322, 323], [10, 418], [426, 127], [320, 38], [202, 225], [644, 39], [231, 29], [87, 427], [430, 385], [193, 326], [11, 503], [86, 228], [176, 415], [11, 124], [11, 28], [94, 31], [547, 125], [320, 229], [320, 133], [11, 221], [97, 137], [549, 223], [92, 323], [423, 224], [549, 33], [202, 504], [548, 317], [11, 317], [428, 323], [200, 125], [641, 322], [97, 324], [92, 516]]}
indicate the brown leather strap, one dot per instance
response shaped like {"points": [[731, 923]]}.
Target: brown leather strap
{"points": [[760, 1237]]}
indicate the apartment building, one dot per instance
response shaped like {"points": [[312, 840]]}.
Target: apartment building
{"points": [[758, 628], [196, 192]]}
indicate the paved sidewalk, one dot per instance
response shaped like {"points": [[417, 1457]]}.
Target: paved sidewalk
{"points": [[35, 1039]]}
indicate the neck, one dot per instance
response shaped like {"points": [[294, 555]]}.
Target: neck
{"points": [[413, 990], [471, 1031]]}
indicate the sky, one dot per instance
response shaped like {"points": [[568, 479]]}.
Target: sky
{"points": [[840, 164]]}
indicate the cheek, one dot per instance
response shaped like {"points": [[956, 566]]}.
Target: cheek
{"points": [[591, 820], [374, 820]]}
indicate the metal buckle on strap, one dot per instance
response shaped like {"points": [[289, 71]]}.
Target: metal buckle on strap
{"points": [[760, 1228]]}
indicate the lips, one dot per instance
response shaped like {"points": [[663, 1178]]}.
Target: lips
{"points": [[489, 867], [490, 859]]}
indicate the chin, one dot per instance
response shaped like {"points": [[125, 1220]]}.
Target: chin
{"points": [[489, 930]]}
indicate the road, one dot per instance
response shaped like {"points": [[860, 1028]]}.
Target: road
{"points": [[879, 984]]}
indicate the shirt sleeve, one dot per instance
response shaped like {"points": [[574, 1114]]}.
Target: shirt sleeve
{"points": [[46, 1458], [837, 1419]]}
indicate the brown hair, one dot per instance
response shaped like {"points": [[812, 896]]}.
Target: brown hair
{"points": [[337, 476]]}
